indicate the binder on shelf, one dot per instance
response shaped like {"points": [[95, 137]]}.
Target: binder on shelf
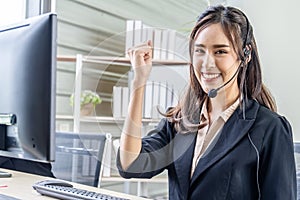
{"points": [[164, 44], [157, 43], [117, 104], [171, 44], [162, 96], [155, 99], [137, 32], [148, 100], [147, 33], [170, 96], [167, 43], [129, 35], [125, 101]]}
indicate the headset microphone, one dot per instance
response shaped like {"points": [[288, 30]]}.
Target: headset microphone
{"points": [[213, 92]]}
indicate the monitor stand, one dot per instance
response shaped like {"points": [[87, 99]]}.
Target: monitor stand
{"points": [[5, 120]]}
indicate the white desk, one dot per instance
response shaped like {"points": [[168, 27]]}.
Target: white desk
{"points": [[20, 186]]}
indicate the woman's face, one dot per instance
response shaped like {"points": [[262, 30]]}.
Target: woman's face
{"points": [[214, 59]]}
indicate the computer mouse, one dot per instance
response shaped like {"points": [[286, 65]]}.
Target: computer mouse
{"points": [[55, 182]]}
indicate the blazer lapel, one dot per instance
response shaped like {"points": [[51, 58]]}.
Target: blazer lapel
{"points": [[183, 151], [233, 131]]}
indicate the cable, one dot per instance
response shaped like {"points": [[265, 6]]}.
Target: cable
{"points": [[257, 166]]}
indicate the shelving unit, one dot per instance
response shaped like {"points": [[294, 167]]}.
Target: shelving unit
{"points": [[102, 119], [109, 39], [117, 60], [79, 60], [109, 121]]}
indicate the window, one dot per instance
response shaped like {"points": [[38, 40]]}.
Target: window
{"points": [[12, 11], [16, 10]]}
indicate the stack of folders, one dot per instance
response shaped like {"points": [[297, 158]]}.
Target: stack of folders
{"points": [[167, 44], [158, 96]]}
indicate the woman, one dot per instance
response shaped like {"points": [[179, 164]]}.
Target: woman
{"points": [[224, 139]]}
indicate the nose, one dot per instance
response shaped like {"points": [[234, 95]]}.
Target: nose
{"points": [[208, 61]]}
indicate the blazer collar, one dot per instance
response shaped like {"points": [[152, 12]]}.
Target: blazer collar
{"points": [[233, 131]]}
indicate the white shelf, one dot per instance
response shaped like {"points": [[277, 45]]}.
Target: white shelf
{"points": [[118, 60], [102, 119]]}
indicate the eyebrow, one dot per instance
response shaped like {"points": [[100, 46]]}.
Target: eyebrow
{"points": [[214, 46]]}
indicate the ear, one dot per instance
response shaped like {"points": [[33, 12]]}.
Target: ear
{"points": [[247, 53], [248, 58]]}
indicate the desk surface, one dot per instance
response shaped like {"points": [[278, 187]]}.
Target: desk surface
{"points": [[20, 186]]}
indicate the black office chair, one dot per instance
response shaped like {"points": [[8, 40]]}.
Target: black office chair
{"points": [[79, 157]]}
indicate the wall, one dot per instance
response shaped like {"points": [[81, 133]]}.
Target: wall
{"points": [[277, 30]]}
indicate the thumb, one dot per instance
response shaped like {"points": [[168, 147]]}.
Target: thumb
{"points": [[149, 42]]}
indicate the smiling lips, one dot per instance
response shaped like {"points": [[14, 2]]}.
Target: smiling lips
{"points": [[210, 76]]}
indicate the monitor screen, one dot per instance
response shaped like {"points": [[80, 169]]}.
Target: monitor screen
{"points": [[27, 88]]}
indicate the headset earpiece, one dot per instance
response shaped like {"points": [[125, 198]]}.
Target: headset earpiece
{"points": [[247, 51]]}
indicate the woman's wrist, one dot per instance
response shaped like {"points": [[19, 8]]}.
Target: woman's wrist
{"points": [[139, 83]]}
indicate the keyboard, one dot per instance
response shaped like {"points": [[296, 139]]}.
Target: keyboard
{"points": [[63, 190]]}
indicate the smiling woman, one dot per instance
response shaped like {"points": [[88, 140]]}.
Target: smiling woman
{"points": [[230, 145]]}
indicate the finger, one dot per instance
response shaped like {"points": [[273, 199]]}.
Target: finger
{"points": [[144, 49], [141, 49], [149, 42], [142, 45]]}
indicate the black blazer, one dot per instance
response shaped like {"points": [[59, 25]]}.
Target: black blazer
{"points": [[231, 168]]}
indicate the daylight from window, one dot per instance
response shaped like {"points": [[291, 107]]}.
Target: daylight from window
{"points": [[11, 11]]}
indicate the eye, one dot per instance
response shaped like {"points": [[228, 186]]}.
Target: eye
{"points": [[221, 51], [199, 50]]}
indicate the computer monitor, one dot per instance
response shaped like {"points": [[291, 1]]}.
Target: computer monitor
{"points": [[27, 88]]}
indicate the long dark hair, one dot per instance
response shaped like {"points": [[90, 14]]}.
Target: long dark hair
{"points": [[239, 31]]}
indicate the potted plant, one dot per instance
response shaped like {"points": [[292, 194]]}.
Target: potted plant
{"points": [[88, 101]]}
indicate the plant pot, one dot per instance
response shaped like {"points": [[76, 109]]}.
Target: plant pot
{"points": [[87, 109]]}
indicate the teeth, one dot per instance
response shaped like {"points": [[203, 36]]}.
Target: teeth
{"points": [[210, 76]]}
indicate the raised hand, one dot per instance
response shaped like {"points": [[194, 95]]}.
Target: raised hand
{"points": [[141, 61]]}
